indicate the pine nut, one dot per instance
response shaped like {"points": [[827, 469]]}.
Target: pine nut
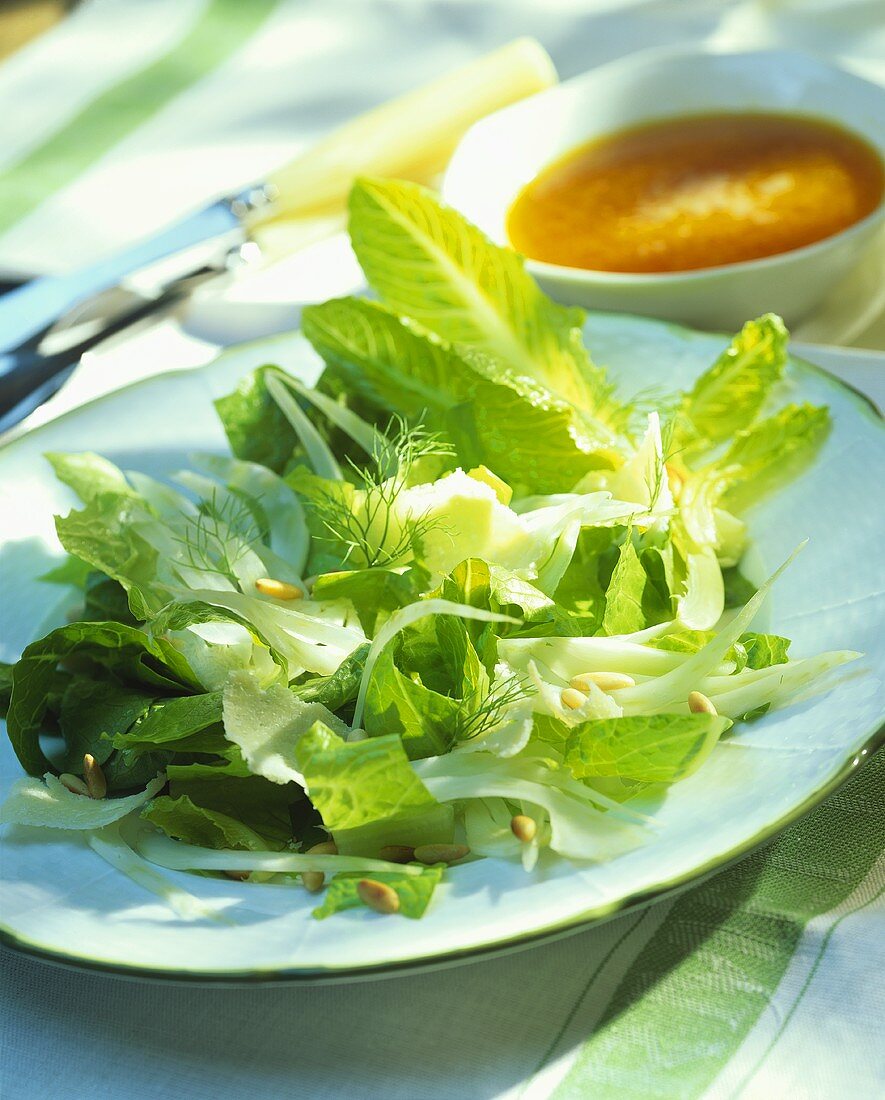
{"points": [[74, 784], [313, 880], [698, 703], [324, 848], [397, 853], [572, 698], [524, 828], [96, 784], [605, 681], [377, 895], [441, 853], [279, 590]]}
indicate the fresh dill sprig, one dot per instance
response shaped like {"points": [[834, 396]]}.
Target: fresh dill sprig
{"points": [[656, 485], [473, 724], [219, 535], [374, 534]]}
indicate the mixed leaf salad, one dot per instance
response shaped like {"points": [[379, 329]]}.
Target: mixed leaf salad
{"points": [[459, 599]]}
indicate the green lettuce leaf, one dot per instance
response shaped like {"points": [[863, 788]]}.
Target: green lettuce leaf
{"points": [[772, 452], [355, 783], [182, 819], [729, 396], [71, 571], [266, 808], [414, 892], [104, 535], [89, 475], [429, 263], [256, 427], [634, 599], [6, 671], [190, 723], [373, 593], [105, 650], [659, 748], [338, 689], [509, 422], [426, 721], [763, 650], [105, 600], [756, 461], [92, 713]]}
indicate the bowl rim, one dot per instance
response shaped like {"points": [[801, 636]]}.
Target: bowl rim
{"points": [[643, 60]]}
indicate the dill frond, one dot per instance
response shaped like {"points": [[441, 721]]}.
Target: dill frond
{"points": [[221, 533], [491, 710], [372, 533]]}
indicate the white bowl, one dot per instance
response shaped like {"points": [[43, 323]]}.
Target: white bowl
{"points": [[503, 152]]}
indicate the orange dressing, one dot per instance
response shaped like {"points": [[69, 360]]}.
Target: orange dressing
{"points": [[698, 191]]}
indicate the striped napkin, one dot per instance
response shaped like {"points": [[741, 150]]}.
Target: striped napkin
{"points": [[761, 982]]}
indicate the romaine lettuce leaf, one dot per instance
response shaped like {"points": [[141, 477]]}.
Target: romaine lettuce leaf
{"points": [[729, 396], [659, 748], [181, 819], [414, 891], [108, 650], [429, 263], [355, 783], [88, 474], [256, 427]]}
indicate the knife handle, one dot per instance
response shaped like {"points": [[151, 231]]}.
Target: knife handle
{"points": [[411, 137], [26, 312]]}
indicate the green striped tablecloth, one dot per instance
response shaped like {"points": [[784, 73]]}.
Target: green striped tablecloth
{"points": [[762, 982]]}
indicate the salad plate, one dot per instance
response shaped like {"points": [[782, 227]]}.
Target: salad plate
{"points": [[63, 902]]}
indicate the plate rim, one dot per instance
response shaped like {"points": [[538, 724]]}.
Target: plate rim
{"points": [[874, 739]]}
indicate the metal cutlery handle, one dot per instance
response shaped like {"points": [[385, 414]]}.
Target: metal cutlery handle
{"points": [[28, 310]]}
